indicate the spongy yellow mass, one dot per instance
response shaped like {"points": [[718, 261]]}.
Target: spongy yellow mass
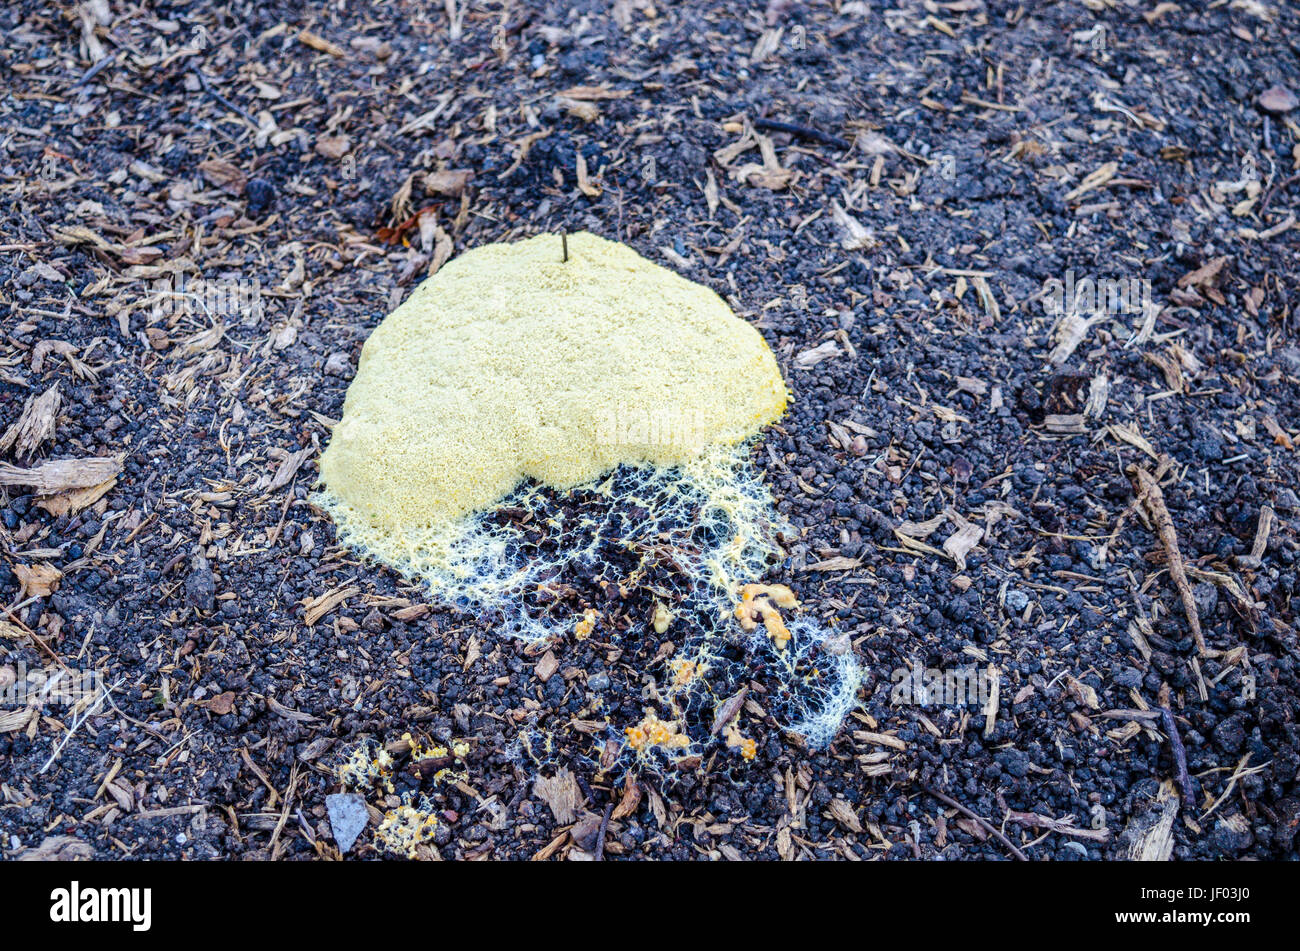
{"points": [[523, 422], [511, 363]]}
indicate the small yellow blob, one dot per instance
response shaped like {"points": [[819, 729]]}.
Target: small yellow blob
{"points": [[746, 746], [582, 630], [652, 732], [754, 605], [684, 671]]}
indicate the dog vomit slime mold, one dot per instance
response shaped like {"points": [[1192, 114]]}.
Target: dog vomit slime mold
{"points": [[513, 373]]}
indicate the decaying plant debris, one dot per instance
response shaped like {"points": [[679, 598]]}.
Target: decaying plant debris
{"points": [[208, 208]]}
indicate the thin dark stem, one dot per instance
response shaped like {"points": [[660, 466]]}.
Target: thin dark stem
{"points": [[604, 826], [1180, 756], [803, 131], [948, 800], [207, 87]]}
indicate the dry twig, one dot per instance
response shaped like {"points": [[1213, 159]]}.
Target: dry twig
{"points": [[1146, 487], [948, 800]]}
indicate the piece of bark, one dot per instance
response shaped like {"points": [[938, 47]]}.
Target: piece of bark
{"points": [[61, 475], [35, 426], [37, 580]]}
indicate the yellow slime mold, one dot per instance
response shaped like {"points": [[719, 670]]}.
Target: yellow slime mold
{"points": [[511, 363]]}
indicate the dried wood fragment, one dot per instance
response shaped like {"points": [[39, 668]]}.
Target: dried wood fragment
{"points": [[995, 696], [629, 802], [317, 608], [843, 813], [1146, 487], [879, 739], [561, 793], [1262, 530], [959, 544], [35, 426], [288, 468], [1060, 826], [854, 235], [1069, 334], [586, 111], [1280, 435], [1093, 181], [1064, 424], [727, 711], [37, 580], [976, 818], [771, 175], [810, 358], [61, 475], [593, 93], [1180, 754], [308, 38], [1098, 396], [74, 500], [1150, 835]]}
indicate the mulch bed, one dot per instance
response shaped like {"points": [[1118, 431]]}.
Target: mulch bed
{"points": [[886, 193]]}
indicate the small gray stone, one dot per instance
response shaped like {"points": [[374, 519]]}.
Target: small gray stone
{"points": [[200, 585], [1017, 600], [1129, 677], [1278, 100], [1286, 498], [348, 816], [1232, 836], [598, 682]]}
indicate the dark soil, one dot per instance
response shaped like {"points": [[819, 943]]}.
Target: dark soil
{"points": [[218, 143]]}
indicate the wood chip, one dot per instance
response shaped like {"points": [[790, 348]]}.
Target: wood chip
{"points": [[449, 181], [546, 667], [959, 544], [1093, 181], [35, 426], [224, 175], [316, 42], [60, 475], [810, 358], [317, 608], [854, 236], [879, 739], [843, 813], [593, 93], [38, 580], [727, 711], [561, 793], [74, 500]]}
